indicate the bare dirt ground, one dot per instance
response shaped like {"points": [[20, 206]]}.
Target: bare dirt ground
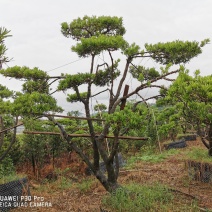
{"points": [[171, 172]]}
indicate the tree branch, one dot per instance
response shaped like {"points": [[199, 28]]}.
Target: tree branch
{"points": [[111, 106], [205, 143], [97, 68], [78, 95], [100, 92], [111, 75], [84, 135], [143, 86], [72, 117], [145, 100], [66, 137]]}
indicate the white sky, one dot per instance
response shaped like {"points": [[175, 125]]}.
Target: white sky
{"points": [[38, 42]]}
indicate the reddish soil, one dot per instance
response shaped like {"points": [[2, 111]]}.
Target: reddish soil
{"points": [[171, 172]]}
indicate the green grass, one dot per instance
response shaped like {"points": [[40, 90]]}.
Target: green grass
{"points": [[180, 135], [198, 154], [150, 157], [61, 184], [85, 185], [11, 177], [65, 183], [136, 198]]}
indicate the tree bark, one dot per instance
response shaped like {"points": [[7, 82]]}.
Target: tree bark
{"points": [[210, 140], [207, 140], [2, 134]]}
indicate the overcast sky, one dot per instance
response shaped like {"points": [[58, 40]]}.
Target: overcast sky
{"points": [[38, 42]]}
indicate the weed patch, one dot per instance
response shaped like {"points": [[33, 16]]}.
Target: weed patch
{"points": [[136, 198], [151, 157], [85, 185], [61, 184], [198, 154]]}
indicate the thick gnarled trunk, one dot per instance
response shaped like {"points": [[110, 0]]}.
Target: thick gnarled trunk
{"points": [[109, 182]]}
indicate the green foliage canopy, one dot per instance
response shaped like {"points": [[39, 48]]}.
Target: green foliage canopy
{"points": [[24, 72], [193, 95], [34, 103], [87, 27], [175, 52]]}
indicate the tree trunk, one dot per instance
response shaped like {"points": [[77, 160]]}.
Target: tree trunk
{"points": [[33, 164], [210, 140], [92, 133], [210, 149], [110, 184]]}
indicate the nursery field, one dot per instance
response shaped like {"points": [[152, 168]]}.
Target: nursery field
{"points": [[74, 191], [129, 98]]}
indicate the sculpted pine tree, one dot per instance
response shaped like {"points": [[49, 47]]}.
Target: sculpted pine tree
{"points": [[94, 36]]}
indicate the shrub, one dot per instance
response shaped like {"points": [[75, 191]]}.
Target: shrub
{"points": [[6, 167]]}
